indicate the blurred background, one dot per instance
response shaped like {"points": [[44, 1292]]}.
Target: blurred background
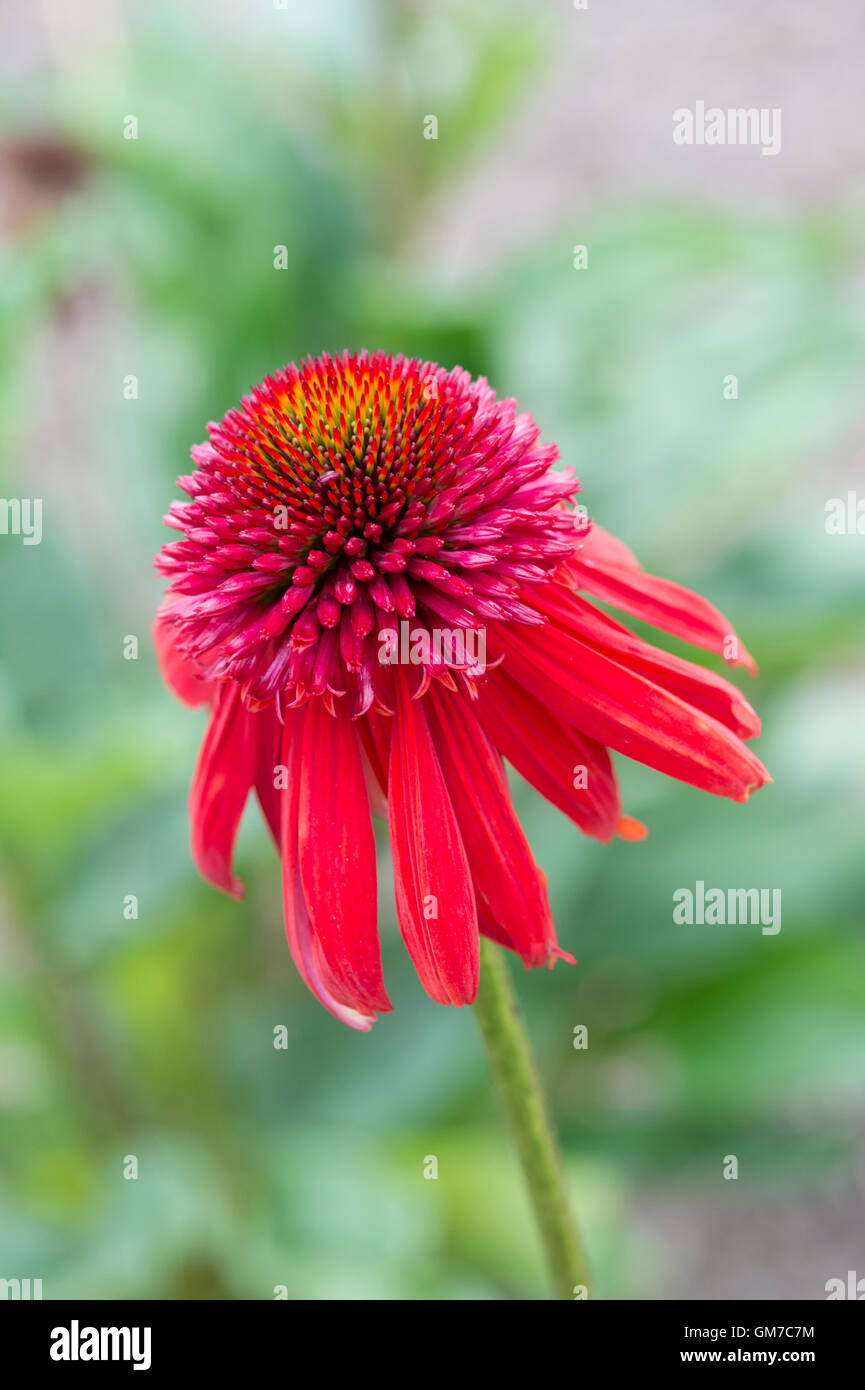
{"points": [[262, 125]]}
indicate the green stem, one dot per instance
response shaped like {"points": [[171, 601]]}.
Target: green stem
{"points": [[504, 1034]]}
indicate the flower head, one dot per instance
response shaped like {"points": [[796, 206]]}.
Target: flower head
{"points": [[380, 592]]}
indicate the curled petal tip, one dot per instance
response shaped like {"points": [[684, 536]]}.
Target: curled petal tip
{"points": [[629, 828], [744, 659]]}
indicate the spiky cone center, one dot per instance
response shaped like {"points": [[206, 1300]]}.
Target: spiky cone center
{"points": [[348, 497]]}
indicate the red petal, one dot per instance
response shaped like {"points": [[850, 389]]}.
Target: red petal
{"points": [[223, 776], [374, 733], [603, 548], [694, 684], [182, 676], [304, 948], [632, 829], [431, 871], [548, 752], [625, 711], [606, 568], [337, 857], [270, 764], [507, 880]]}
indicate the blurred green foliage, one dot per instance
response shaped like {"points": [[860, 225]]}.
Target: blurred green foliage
{"points": [[154, 1037]]}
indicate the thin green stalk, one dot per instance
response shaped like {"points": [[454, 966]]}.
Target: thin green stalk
{"points": [[504, 1033]]}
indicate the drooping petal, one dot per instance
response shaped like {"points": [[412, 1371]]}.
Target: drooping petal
{"points": [[606, 568], [224, 773], [572, 771], [630, 714], [298, 927], [694, 684], [631, 829], [434, 895], [337, 857], [507, 880], [374, 733], [377, 797], [183, 676], [270, 772], [603, 548]]}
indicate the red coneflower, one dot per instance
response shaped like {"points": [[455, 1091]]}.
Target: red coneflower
{"points": [[380, 591]]}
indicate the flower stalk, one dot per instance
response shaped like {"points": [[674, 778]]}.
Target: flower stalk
{"points": [[513, 1065]]}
